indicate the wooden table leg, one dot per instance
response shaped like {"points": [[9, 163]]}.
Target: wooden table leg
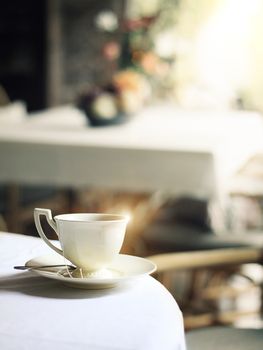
{"points": [[12, 212]]}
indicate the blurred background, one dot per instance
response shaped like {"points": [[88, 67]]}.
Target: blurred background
{"points": [[205, 54], [112, 59]]}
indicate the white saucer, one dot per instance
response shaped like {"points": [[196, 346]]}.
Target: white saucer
{"points": [[124, 267]]}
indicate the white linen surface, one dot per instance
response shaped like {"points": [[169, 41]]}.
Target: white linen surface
{"points": [[38, 313], [162, 148], [14, 112]]}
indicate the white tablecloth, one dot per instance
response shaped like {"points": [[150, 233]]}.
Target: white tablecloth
{"points": [[37, 313], [162, 148]]}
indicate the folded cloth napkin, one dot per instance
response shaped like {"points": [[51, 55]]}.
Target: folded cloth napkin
{"points": [[13, 112]]}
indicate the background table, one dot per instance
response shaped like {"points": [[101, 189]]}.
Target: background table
{"points": [[38, 313], [162, 148]]}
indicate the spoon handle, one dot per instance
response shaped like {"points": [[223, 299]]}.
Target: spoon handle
{"points": [[23, 267]]}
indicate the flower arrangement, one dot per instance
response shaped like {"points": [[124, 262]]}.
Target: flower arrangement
{"points": [[141, 60], [115, 102]]}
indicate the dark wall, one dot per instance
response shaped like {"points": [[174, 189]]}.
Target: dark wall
{"points": [[22, 51], [27, 48]]}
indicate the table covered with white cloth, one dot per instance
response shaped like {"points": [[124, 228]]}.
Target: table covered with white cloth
{"points": [[160, 149], [40, 313]]}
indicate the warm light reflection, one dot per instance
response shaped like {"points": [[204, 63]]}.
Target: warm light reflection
{"points": [[127, 214], [223, 54]]}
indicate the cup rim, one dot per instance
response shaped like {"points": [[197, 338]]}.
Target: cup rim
{"points": [[83, 217]]}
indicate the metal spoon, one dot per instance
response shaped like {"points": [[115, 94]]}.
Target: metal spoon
{"points": [[23, 267]]}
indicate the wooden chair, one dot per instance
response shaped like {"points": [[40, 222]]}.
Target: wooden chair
{"points": [[18, 202], [3, 226], [4, 99], [218, 260]]}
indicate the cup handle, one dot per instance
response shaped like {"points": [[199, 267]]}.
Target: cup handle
{"points": [[47, 213]]}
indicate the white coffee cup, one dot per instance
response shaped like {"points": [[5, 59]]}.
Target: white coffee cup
{"points": [[89, 241]]}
